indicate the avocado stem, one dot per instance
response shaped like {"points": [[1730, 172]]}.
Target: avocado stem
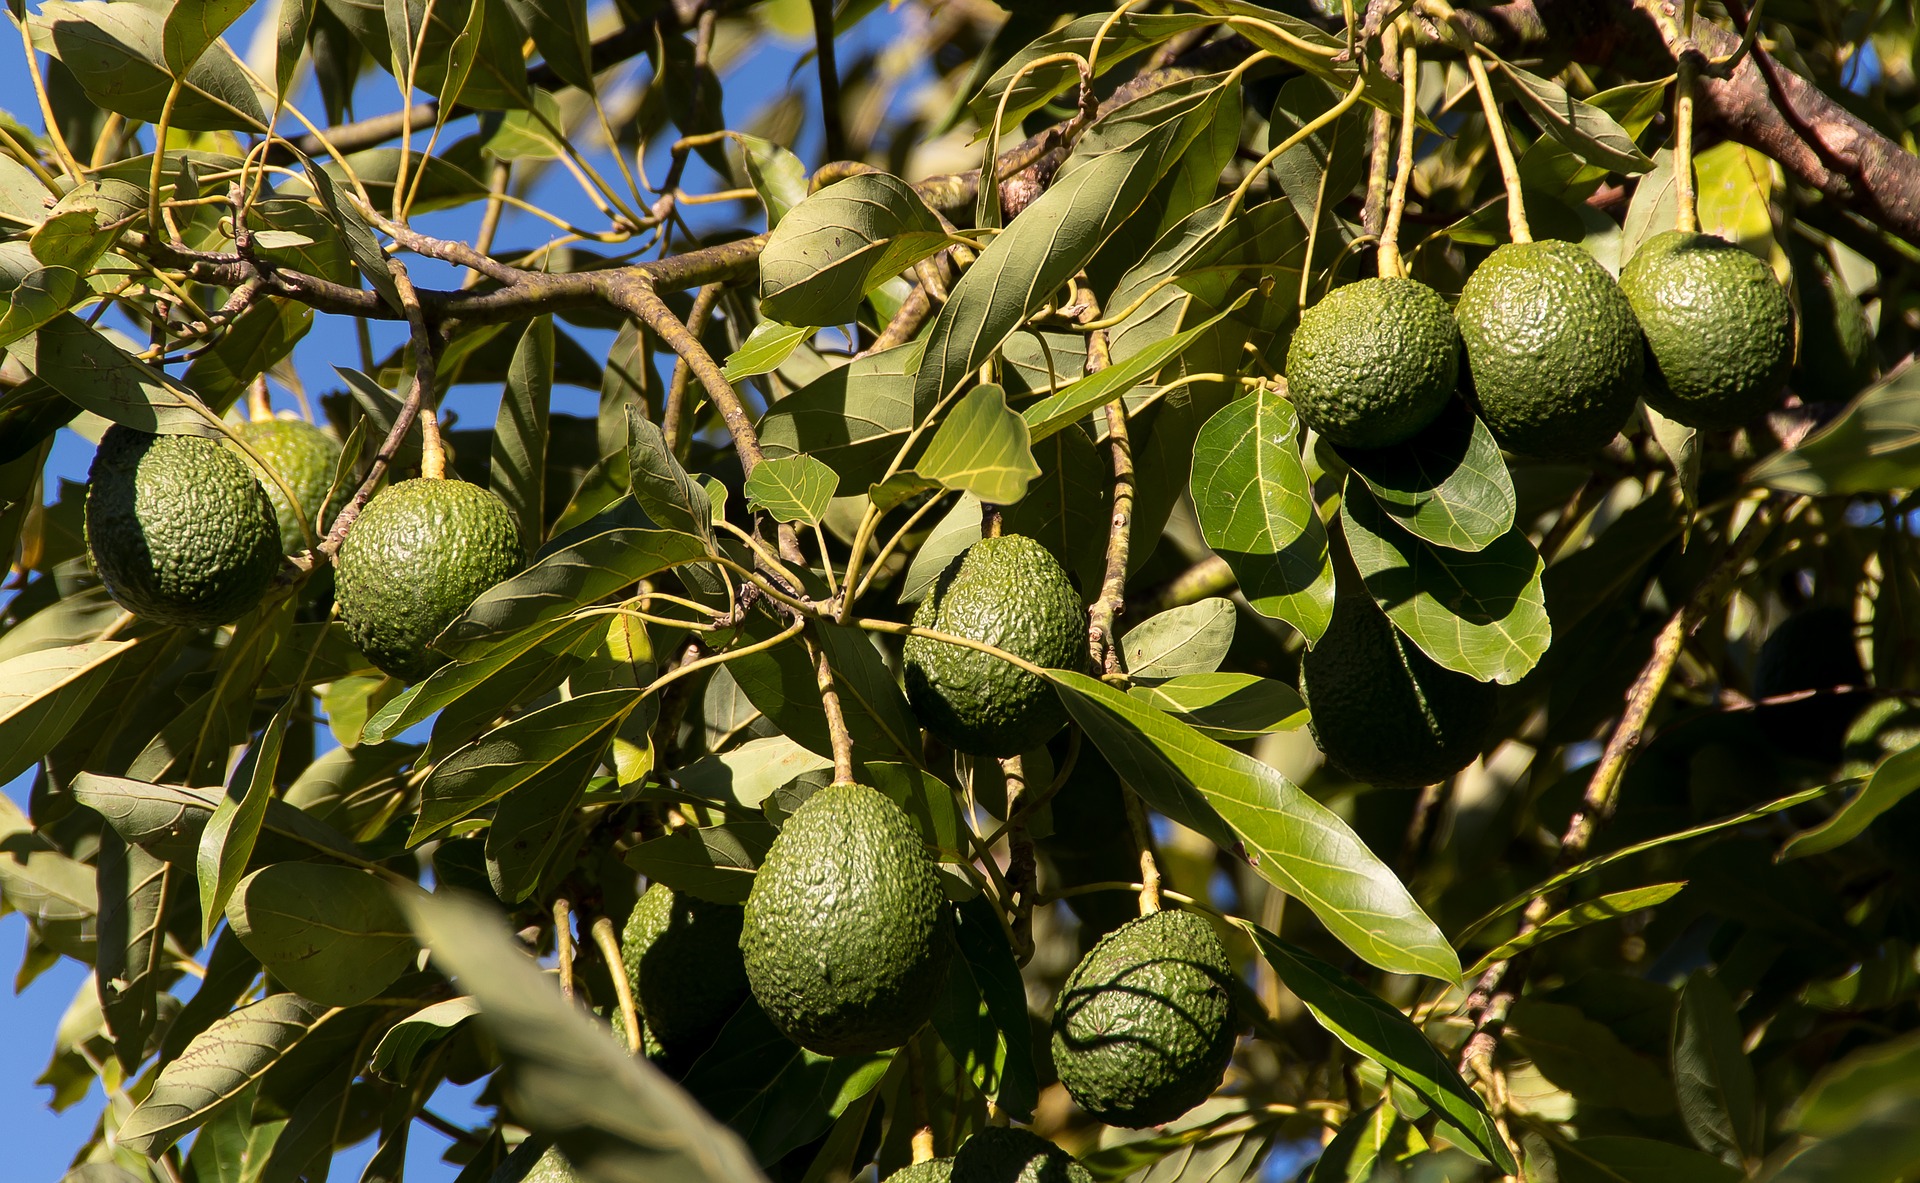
{"points": [[1503, 151], [1143, 841], [563, 943], [837, 732], [609, 944], [1390, 263], [1686, 214]]}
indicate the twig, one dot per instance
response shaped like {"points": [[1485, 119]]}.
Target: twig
{"points": [[1517, 229], [1143, 842], [1390, 264], [837, 733], [1112, 600], [433, 456], [836, 134], [1022, 873], [603, 936], [673, 414], [563, 943]]}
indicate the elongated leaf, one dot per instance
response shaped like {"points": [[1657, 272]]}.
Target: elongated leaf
{"points": [[1843, 1095], [565, 579], [749, 774], [533, 819], [1711, 1075], [1350, 1157], [1612, 1159], [1227, 707], [119, 53], [170, 819], [191, 26], [1295, 842], [1447, 485], [1358, 1018], [561, 32], [765, 349], [96, 375], [1256, 510], [617, 1118], [1587, 1059], [1612, 906], [1074, 400], [783, 685], [778, 175], [983, 946], [1124, 36], [852, 418], [661, 484], [135, 891], [1191, 639], [455, 680], [1481, 613], [507, 757], [405, 1040], [792, 489], [982, 448], [226, 844], [1322, 170], [839, 244], [218, 1066], [1896, 777], [520, 432], [1587, 131], [1873, 446], [42, 695], [332, 933], [716, 863]]}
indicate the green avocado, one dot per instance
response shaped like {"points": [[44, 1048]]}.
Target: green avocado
{"points": [[1383, 711], [530, 1164], [1554, 355], [1144, 1027], [178, 528], [1008, 1154], [1718, 327], [682, 956], [846, 935], [1836, 338], [934, 1170], [305, 457], [419, 553], [1010, 593], [1374, 362]]}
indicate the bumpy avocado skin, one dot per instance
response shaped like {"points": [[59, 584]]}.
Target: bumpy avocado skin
{"points": [[1836, 339], [1374, 362], [934, 1170], [1144, 1027], [682, 956], [1383, 711], [418, 555], [1008, 1154], [305, 457], [178, 528], [1553, 351], [1008, 592], [529, 1164], [1718, 328], [846, 935]]}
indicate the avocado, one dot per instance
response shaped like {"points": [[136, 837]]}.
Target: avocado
{"points": [[1718, 328], [1011, 593], [305, 457], [1554, 356], [1383, 711], [178, 528], [682, 956], [1144, 1026], [1008, 1154], [1374, 362], [1836, 339], [934, 1170], [419, 553], [530, 1164], [846, 935]]}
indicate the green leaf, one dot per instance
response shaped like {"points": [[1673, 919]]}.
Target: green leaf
{"points": [[853, 418], [792, 489], [191, 26], [1256, 510], [1871, 447], [1321, 171], [982, 448], [563, 35], [532, 820], [1448, 485], [98, 376], [1613, 906], [1587, 131], [1227, 707], [455, 680], [1712, 1078], [1481, 613], [1358, 1018], [219, 1065], [766, 349], [170, 819], [1191, 639], [519, 468], [226, 843], [1350, 1157], [776, 174], [929, 801], [955, 532], [660, 482], [394, 1057], [783, 685], [1611, 1159], [510, 755], [36, 295], [42, 695], [60, 895], [1844, 1095], [1124, 35], [777, 1095], [1587, 1059], [1068, 507], [716, 863], [1072, 401], [1294, 841], [616, 1117], [135, 891], [118, 53], [989, 958], [565, 579], [1053, 238], [331, 933], [749, 774], [840, 243]]}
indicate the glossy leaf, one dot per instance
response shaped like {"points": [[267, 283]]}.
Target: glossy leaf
{"points": [[136, 890], [1358, 1018], [1873, 446], [747, 775], [989, 959], [507, 757], [1119, 39], [226, 844], [716, 863], [840, 243], [394, 1056], [562, 32], [1612, 906], [853, 418], [455, 680], [1191, 639], [533, 818], [1227, 707], [518, 471], [1256, 510], [191, 26], [1612, 1159], [119, 53], [1587, 131], [1896, 778], [331, 933], [1322, 170], [1587, 1059], [765, 349], [1448, 485], [982, 448], [1712, 1077], [1295, 842], [778, 176], [951, 536], [660, 482], [96, 375], [792, 489], [43, 693], [1481, 613]]}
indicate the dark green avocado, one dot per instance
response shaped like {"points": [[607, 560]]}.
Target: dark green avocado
{"points": [[419, 553], [1008, 1154], [1554, 354], [1374, 362], [934, 1170], [305, 457], [1144, 1027], [178, 528], [1384, 712], [846, 935], [1718, 328], [1010, 593], [682, 957]]}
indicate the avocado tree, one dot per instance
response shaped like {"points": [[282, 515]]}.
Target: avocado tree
{"points": [[802, 591]]}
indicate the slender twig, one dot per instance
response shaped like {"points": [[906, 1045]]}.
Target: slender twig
{"points": [[837, 733], [673, 414], [1503, 150], [1022, 868], [836, 135], [563, 943], [1390, 263], [1686, 215], [433, 456], [1143, 842], [609, 944], [1112, 600]]}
